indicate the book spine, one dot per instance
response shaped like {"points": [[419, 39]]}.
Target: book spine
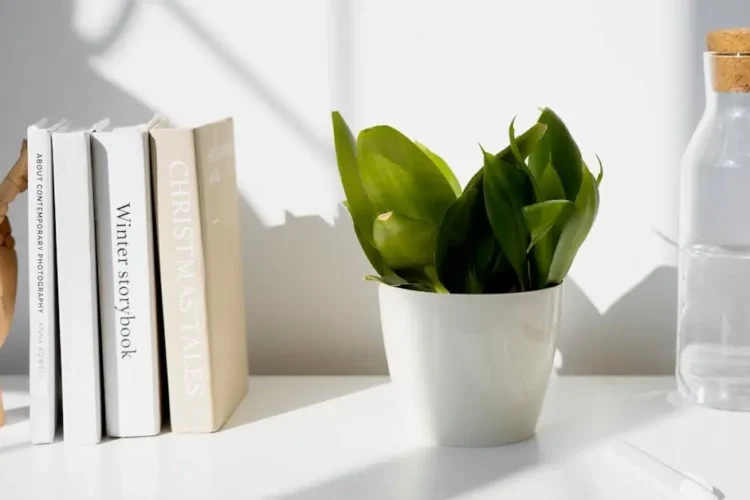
{"points": [[128, 309], [76, 275], [181, 266], [225, 303], [42, 288]]}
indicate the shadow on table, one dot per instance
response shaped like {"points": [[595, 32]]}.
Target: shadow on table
{"points": [[435, 473], [16, 415], [274, 397], [15, 384], [427, 474], [10, 448], [13, 416]]}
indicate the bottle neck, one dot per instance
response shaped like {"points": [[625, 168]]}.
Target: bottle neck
{"points": [[724, 101]]}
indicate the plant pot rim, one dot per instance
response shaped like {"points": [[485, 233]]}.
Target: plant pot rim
{"points": [[528, 293]]}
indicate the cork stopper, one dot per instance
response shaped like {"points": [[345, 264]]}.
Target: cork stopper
{"points": [[731, 61], [731, 41]]}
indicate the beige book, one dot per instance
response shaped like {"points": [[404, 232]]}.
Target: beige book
{"points": [[200, 263]]}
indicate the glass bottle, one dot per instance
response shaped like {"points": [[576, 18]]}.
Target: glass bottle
{"points": [[713, 337]]}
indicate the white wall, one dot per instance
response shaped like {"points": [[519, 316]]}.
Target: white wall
{"points": [[625, 76]]}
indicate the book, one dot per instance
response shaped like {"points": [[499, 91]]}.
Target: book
{"points": [[127, 284], [43, 366], [77, 280], [200, 265]]}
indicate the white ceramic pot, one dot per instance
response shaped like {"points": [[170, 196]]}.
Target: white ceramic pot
{"points": [[470, 370]]}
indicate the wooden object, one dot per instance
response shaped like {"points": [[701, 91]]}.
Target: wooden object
{"points": [[730, 50], [15, 182], [729, 41]]}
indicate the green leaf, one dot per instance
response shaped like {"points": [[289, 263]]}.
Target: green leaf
{"points": [[576, 229], [404, 243], [459, 234], [513, 144], [400, 177], [526, 143], [357, 203], [541, 217], [539, 159], [538, 195], [550, 185], [419, 287], [473, 284], [543, 246], [523, 184], [505, 189], [391, 280], [486, 252], [443, 166], [521, 163], [503, 281], [601, 172], [468, 257], [541, 258], [435, 280], [467, 252], [398, 282], [566, 157]]}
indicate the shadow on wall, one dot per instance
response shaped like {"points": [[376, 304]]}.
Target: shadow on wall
{"points": [[636, 335], [48, 75], [309, 310]]}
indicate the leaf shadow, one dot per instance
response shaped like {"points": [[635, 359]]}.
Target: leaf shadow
{"points": [[636, 335], [439, 473], [51, 77], [309, 310]]}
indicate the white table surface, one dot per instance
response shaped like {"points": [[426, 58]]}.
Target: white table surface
{"points": [[342, 438]]}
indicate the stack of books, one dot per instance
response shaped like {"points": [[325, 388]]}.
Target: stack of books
{"points": [[134, 258]]}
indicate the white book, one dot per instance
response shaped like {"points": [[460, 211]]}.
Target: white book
{"points": [[43, 366], [127, 282], [77, 282]]}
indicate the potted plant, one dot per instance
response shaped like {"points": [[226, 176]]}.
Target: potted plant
{"points": [[470, 280]]}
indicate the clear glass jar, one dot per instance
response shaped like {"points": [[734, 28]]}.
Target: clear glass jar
{"points": [[713, 337]]}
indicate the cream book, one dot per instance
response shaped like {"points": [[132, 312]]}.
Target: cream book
{"points": [[127, 280], [77, 281], [43, 329], [200, 267]]}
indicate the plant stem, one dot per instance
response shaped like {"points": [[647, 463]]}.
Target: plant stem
{"points": [[432, 274]]}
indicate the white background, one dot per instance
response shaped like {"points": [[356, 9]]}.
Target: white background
{"points": [[625, 76]]}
